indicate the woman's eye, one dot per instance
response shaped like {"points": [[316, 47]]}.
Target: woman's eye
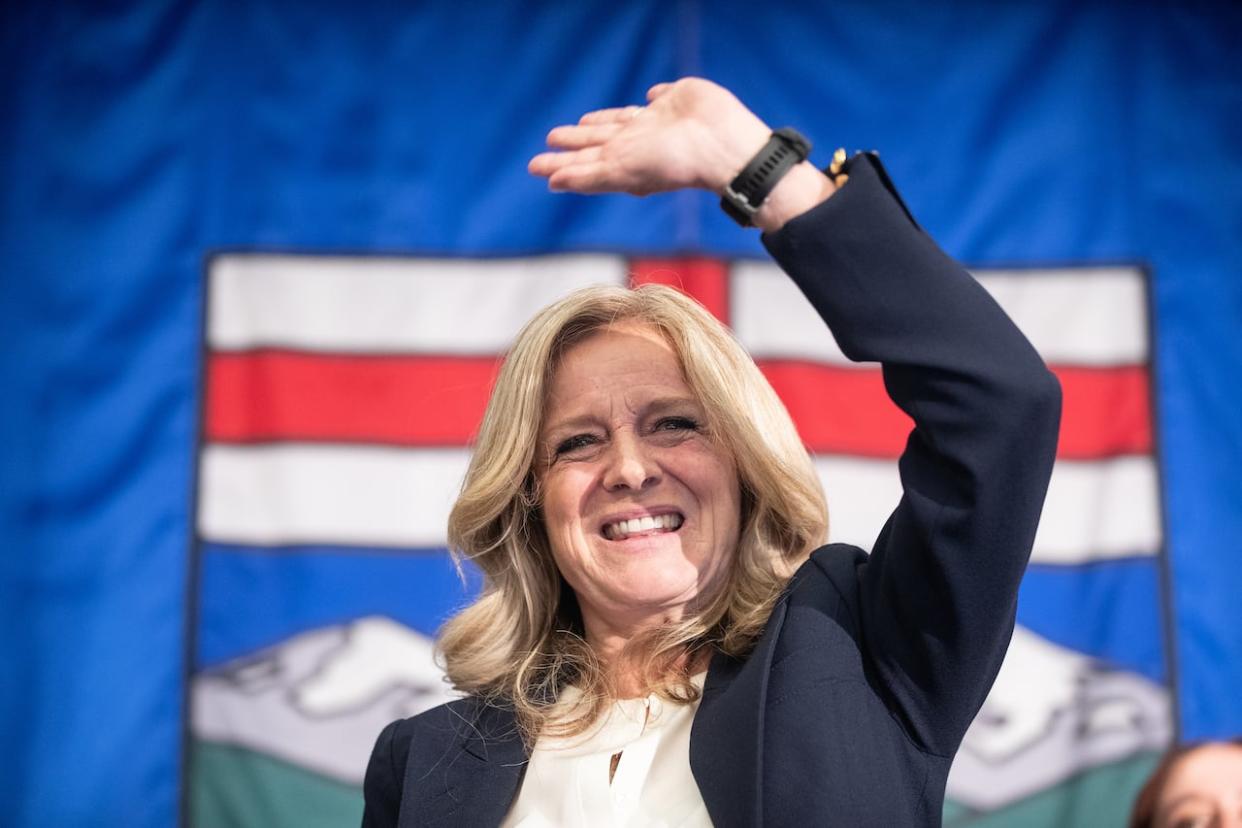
{"points": [[677, 424], [575, 443]]}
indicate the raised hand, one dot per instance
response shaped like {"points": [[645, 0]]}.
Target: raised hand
{"points": [[692, 133]]}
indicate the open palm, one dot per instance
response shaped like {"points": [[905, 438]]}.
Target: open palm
{"points": [[692, 133]]}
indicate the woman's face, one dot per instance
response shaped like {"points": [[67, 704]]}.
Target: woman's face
{"points": [[1204, 789], [641, 507]]}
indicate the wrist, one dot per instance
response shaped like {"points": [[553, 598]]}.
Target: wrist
{"points": [[731, 150], [763, 186], [798, 191]]}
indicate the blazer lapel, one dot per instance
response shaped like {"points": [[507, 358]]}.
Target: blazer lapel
{"points": [[726, 738], [480, 777]]}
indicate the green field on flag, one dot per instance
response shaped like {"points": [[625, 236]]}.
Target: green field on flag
{"points": [[1100, 797], [239, 788]]}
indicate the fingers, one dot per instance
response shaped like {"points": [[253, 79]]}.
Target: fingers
{"points": [[580, 144], [549, 163], [589, 177], [579, 171], [622, 114], [615, 115], [578, 137]]}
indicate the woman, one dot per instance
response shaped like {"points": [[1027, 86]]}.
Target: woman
{"points": [[1194, 786], [653, 644]]}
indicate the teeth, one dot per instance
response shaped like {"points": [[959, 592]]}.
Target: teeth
{"points": [[634, 526]]}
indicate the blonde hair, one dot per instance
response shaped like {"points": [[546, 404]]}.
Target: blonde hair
{"points": [[520, 643]]}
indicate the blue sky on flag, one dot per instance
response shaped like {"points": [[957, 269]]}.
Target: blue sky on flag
{"points": [[149, 153]]}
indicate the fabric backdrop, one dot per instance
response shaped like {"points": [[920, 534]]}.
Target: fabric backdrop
{"points": [[260, 262]]}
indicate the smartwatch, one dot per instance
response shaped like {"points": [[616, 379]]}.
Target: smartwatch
{"points": [[745, 194]]}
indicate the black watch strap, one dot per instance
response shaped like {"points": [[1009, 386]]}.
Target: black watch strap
{"points": [[746, 193]]}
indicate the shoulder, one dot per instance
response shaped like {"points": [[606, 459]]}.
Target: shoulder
{"points": [[433, 731], [820, 609], [441, 726], [829, 576]]}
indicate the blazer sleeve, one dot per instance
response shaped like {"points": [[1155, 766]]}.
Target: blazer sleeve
{"points": [[937, 596], [385, 776]]}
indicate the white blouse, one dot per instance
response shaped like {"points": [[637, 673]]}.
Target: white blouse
{"points": [[567, 780]]}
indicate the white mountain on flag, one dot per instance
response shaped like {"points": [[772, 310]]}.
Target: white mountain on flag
{"points": [[319, 699], [1052, 713]]}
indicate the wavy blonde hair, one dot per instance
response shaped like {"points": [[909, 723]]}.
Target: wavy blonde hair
{"points": [[521, 642]]}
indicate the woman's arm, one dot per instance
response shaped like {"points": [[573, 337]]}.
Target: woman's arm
{"points": [[938, 594], [939, 591]]}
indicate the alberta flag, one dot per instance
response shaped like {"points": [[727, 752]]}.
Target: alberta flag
{"points": [[261, 262], [342, 394]]}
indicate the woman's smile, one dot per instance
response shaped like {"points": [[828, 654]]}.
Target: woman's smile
{"points": [[654, 523]]}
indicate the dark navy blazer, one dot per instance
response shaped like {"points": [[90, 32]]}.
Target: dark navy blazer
{"points": [[851, 706]]}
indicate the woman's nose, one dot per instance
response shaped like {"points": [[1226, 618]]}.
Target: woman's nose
{"points": [[630, 465]]}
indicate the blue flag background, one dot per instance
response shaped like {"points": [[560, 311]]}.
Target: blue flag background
{"points": [[138, 140]]}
